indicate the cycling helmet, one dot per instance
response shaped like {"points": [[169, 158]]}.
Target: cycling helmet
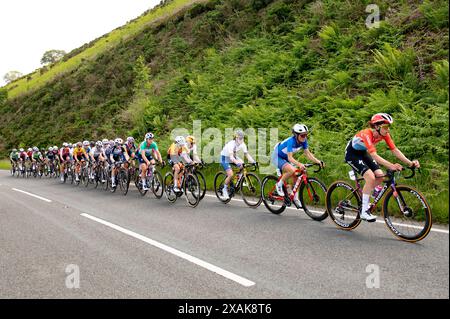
{"points": [[86, 143], [30, 149], [118, 141], [190, 139], [381, 118], [14, 150], [55, 148], [35, 148], [149, 135], [300, 129], [69, 145], [79, 144], [130, 139], [180, 141], [65, 144], [99, 143], [50, 149], [239, 134], [21, 150]]}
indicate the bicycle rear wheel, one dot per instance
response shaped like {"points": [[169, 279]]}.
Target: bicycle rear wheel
{"points": [[251, 190], [273, 202], [407, 214], [219, 180], [192, 189], [343, 204], [312, 197]]}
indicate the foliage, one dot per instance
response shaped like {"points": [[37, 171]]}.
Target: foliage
{"points": [[11, 76], [52, 56], [261, 64]]}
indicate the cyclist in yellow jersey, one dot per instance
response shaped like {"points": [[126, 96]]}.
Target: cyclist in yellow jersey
{"points": [[79, 155], [177, 153]]}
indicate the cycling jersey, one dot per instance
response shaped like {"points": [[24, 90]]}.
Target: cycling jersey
{"points": [[50, 155], [95, 152], [176, 153], [64, 152], [232, 148], [78, 152], [14, 156], [36, 155], [290, 145], [130, 149], [118, 153], [29, 154], [365, 141], [23, 155]]}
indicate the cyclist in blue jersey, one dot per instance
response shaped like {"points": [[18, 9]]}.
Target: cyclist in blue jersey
{"points": [[283, 155]]}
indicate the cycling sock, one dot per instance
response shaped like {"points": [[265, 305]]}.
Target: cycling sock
{"points": [[365, 202]]}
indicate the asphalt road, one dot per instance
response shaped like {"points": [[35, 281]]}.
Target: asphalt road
{"points": [[142, 247]]}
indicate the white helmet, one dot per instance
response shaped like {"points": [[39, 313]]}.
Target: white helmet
{"points": [[30, 149], [118, 140], [130, 139], [300, 129], [99, 143], [55, 148], [65, 144], [105, 141], [239, 134], [69, 145], [21, 150], [50, 149], [149, 135], [35, 148], [180, 141], [86, 143]]}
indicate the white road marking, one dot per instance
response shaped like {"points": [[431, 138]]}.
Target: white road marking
{"points": [[378, 221], [199, 262], [39, 197]]}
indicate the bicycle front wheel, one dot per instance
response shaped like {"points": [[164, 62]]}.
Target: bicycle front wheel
{"points": [[251, 190], [343, 203], [157, 184], [273, 202], [168, 187], [192, 190], [407, 214], [202, 181], [123, 180], [312, 197]]}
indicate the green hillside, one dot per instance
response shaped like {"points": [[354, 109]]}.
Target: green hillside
{"points": [[261, 64]]}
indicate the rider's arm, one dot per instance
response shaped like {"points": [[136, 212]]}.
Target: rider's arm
{"points": [[186, 157], [292, 160], [382, 161], [144, 157], [311, 157], [404, 159], [195, 154]]}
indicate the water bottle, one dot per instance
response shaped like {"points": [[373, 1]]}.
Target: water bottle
{"points": [[377, 191], [352, 175]]}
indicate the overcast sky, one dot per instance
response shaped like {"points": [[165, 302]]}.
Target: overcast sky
{"points": [[28, 28]]}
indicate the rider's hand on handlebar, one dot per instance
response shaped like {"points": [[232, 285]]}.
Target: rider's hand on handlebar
{"points": [[396, 167], [321, 164], [302, 167], [415, 164]]}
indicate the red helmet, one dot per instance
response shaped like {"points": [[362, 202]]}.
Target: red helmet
{"points": [[381, 118]]}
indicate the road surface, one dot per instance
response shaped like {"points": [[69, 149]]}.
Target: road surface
{"points": [[77, 242]]}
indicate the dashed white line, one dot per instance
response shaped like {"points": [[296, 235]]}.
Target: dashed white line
{"points": [[229, 275], [36, 196]]}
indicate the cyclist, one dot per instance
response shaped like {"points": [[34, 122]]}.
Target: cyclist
{"points": [[22, 157], [177, 154], [64, 157], [49, 157], [96, 155], [145, 155], [80, 156], [192, 148], [14, 157], [362, 156], [118, 154], [229, 155], [283, 155]]}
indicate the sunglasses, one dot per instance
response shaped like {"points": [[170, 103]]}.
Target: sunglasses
{"points": [[303, 135], [385, 126]]}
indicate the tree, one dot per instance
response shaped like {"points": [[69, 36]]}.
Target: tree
{"points": [[12, 76], [52, 56]]}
